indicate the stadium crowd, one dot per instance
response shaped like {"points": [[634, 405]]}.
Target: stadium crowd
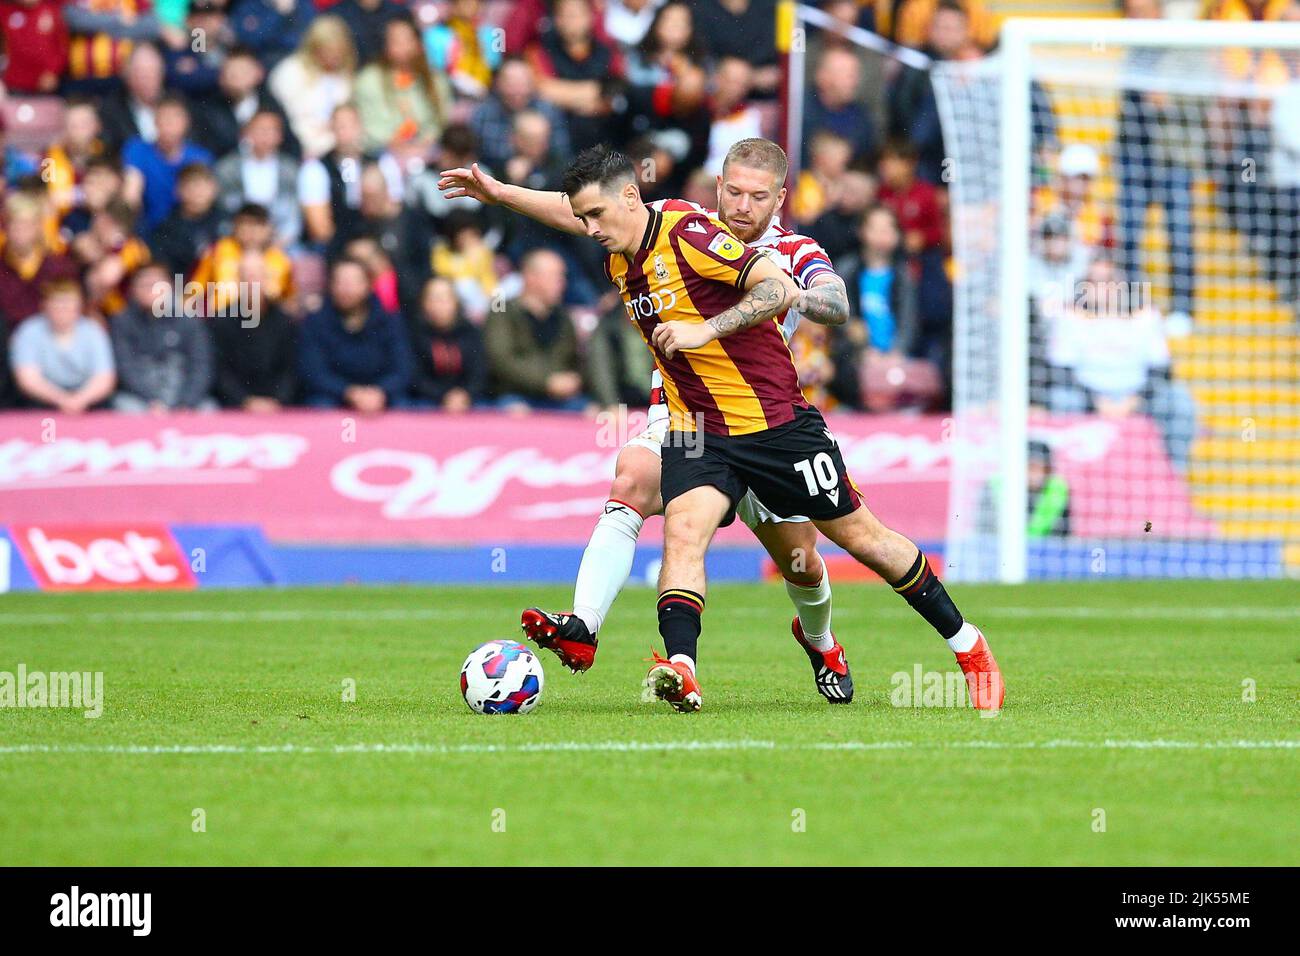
{"points": [[233, 203]]}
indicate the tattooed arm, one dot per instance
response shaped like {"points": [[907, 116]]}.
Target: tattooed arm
{"points": [[827, 302], [768, 293]]}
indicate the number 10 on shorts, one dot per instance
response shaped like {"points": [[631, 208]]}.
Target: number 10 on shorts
{"points": [[819, 470]]}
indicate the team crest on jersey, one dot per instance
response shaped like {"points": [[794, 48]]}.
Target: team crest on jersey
{"points": [[725, 247], [661, 270]]}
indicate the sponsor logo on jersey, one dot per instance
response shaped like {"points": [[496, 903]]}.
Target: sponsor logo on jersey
{"points": [[725, 247], [649, 304]]}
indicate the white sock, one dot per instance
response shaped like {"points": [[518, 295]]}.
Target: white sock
{"points": [[606, 563], [813, 605], [965, 639], [682, 659]]}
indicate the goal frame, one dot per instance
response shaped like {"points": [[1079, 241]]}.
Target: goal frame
{"points": [[1018, 37]]}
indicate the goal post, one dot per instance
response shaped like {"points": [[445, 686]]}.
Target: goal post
{"points": [[1126, 365]]}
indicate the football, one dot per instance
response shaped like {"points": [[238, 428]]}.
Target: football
{"points": [[501, 677]]}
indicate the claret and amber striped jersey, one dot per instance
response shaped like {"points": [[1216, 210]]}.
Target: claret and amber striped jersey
{"points": [[689, 267], [800, 257]]}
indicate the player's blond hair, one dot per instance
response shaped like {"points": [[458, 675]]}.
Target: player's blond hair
{"points": [[758, 153]]}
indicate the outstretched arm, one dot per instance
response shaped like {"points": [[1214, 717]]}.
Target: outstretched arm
{"points": [[549, 208], [768, 293], [826, 302]]}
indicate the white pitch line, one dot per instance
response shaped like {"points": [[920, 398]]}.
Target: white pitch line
{"points": [[616, 746], [271, 616]]}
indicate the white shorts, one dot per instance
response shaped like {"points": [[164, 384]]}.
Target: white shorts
{"points": [[656, 430], [750, 510]]}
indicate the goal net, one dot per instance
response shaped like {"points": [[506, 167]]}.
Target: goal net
{"points": [[1125, 205]]}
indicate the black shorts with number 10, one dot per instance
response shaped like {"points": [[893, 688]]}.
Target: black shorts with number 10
{"points": [[794, 469]]}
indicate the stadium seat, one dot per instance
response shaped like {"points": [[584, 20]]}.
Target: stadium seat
{"points": [[32, 122]]}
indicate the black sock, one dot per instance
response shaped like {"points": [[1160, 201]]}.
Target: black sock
{"points": [[929, 598], [679, 621]]}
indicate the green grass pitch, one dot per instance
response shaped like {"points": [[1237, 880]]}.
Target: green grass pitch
{"points": [[1129, 736]]}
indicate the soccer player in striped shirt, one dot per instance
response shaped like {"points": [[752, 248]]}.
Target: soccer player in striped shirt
{"points": [[706, 305]]}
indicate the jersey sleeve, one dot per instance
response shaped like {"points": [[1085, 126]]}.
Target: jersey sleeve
{"points": [[711, 252], [808, 261]]}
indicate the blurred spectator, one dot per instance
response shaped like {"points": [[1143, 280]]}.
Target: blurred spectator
{"points": [[837, 228], [36, 44], [908, 22], [1112, 358], [1071, 195], [329, 188], [110, 253], [701, 188], [398, 232], [1056, 265], [833, 105], [223, 272], [240, 93], [667, 86], [527, 20], [61, 359], [514, 91], [104, 36], [744, 29], [367, 20], [627, 21], [464, 259], [193, 68], [403, 105], [573, 67], [66, 158], [532, 344], [273, 29], [27, 263], [450, 363], [882, 292], [163, 356], [465, 48], [458, 148], [914, 201], [8, 395], [734, 117], [618, 363], [913, 110], [818, 185], [351, 353], [129, 111], [532, 163], [254, 354], [193, 226], [314, 81], [152, 167], [101, 183], [261, 172], [1160, 148], [383, 276], [812, 349], [17, 164], [873, 69]]}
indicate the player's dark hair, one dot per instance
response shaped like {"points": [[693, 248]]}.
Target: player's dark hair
{"points": [[601, 165]]}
